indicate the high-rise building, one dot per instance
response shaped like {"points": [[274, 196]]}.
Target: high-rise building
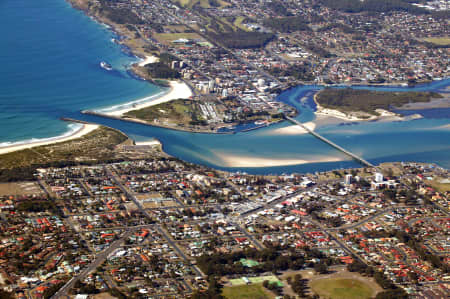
{"points": [[348, 179], [378, 177]]}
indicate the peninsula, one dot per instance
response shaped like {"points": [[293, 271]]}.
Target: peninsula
{"points": [[358, 104]]}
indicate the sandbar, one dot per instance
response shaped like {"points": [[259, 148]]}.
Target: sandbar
{"points": [[178, 90], [149, 142], [293, 130], [85, 129], [230, 160]]}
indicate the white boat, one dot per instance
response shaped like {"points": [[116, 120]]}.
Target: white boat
{"points": [[106, 66]]}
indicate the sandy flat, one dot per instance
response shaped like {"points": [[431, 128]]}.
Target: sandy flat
{"points": [[148, 59], [178, 90], [293, 130], [230, 160], [85, 129], [150, 142]]}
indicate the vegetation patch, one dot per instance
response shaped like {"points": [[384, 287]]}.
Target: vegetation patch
{"points": [[182, 111], [97, 146], [287, 24], [353, 100], [242, 39], [161, 70], [439, 41], [342, 288], [252, 291]]}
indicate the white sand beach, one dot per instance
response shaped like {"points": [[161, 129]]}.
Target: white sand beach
{"points": [[230, 160], [85, 129], [148, 59], [293, 130], [150, 142], [178, 90]]}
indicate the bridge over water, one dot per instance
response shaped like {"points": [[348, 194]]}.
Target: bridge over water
{"points": [[348, 153]]}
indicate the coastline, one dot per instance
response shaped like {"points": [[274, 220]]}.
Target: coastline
{"points": [[177, 90], [84, 130]]}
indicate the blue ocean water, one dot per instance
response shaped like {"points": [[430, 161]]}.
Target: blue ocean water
{"points": [[50, 69], [49, 61]]}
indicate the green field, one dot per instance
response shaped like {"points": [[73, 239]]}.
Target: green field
{"points": [[440, 41], [439, 184], [342, 288], [253, 291]]}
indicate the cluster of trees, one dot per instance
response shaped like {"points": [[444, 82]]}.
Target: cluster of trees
{"points": [[273, 286], [278, 8], [242, 39], [161, 70], [355, 6], [214, 290], [269, 261], [319, 50], [368, 101], [391, 291], [298, 72], [298, 284], [38, 206], [84, 288], [17, 174], [119, 15], [48, 293], [345, 28], [287, 24]]}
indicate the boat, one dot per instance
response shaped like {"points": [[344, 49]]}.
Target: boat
{"points": [[106, 66]]}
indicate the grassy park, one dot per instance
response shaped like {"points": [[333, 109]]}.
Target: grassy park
{"points": [[252, 291], [342, 288]]}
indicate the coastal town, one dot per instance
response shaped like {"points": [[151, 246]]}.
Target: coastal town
{"points": [[237, 56], [96, 214], [163, 228]]}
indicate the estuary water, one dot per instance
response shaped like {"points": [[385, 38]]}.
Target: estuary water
{"points": [[50, 69]]}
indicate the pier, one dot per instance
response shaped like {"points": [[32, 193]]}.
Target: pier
{"points": [[348, 153]]}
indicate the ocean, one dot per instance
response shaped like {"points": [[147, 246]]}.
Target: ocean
{"points": [[50, 69]]}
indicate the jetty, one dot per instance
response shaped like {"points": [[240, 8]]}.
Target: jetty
{"points": [[340, 148]]}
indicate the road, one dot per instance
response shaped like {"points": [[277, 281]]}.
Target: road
{"points": [[99, 259]]}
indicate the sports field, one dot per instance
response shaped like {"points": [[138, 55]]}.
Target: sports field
{"points": [[252, 291], [342, 288]]}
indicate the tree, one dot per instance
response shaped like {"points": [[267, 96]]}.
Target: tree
{"points": [[321, 268]]}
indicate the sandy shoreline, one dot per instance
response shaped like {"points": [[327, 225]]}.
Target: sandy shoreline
{"points": [[85, 129], [178, 90], [230, 160]]}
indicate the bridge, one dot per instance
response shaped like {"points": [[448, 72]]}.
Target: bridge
{"points": [[348, 153]]}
